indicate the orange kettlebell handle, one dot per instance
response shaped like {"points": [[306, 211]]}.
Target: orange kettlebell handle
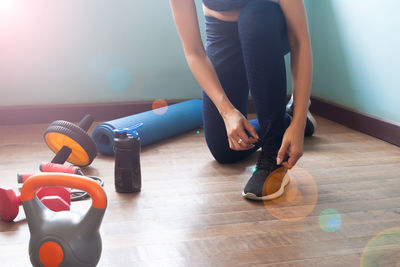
{"points": [[28, 191]]}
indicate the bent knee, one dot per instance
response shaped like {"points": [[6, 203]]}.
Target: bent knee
{"points": [[227, 157]]}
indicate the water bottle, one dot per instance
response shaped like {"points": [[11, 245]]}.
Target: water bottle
{"points": [[127, 173]]}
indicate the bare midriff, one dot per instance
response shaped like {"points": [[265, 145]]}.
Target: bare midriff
{"points": [[229, 15]]}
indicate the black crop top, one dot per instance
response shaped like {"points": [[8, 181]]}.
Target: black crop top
{"points": [[223, 5]]}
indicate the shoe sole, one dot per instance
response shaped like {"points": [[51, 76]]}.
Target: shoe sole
{"points": [[289, 109], [277, 194]]}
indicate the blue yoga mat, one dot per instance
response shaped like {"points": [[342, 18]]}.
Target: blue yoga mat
{"points": [[157, 124]]}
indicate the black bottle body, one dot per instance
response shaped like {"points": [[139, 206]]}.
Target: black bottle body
{"points": [[127, 172]]}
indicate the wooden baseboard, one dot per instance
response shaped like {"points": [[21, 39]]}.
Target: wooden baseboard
{"points": [[372, 125], [365, 123], [378, 127]]}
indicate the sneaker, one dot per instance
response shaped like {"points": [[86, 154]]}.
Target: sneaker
{"points": [[268, 180], [311, 123]]}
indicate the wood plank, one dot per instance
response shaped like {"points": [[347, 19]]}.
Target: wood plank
{"points": [[191, 212]]}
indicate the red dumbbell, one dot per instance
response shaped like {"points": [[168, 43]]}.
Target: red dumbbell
{"points": [[55, 198]]}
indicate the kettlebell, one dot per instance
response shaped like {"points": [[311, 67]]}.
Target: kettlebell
{"points": [[64, 238]]}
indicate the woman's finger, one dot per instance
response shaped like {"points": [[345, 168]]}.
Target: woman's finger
{"points": [[286, 165], [240, 133], [242, 143], [234, 145], [251, 130], [282, 151], [243, 138], [231, 144], [240, 137]]}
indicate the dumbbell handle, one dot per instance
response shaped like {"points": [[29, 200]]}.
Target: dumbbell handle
{"points": [[18, 200]]}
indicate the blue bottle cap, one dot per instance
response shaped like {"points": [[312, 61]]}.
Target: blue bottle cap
{"points": [[131, 130]]}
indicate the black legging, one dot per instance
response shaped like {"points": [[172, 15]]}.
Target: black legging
{"points": [[247, 54]]}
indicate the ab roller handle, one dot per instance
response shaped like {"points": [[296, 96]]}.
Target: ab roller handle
{"points": [[63, 238]]}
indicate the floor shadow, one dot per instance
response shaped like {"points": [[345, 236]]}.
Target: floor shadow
{"points": [[90, 171], [215, 169], [14, 226], [312, 143]]}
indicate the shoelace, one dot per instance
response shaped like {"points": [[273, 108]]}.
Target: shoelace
{"points": [[266, 161]]}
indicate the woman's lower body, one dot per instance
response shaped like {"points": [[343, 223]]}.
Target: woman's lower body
{"points": [[248, 55]]}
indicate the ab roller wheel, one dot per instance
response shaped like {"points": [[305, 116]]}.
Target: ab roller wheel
{"points": [[71, 142]]}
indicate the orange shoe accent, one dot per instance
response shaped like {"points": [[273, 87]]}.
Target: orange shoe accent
{"points": [[28, 191], [51, 254]]}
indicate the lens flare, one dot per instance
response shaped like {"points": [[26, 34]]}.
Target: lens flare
{"points": [[330, 220], [383, 249], [118, 78], [159, 106], [110, 74], [298, 200], [8, 10]]}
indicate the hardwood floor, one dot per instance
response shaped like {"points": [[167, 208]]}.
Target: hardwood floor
{"points": [[191, 212]]}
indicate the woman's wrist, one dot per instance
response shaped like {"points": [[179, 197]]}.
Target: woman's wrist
{"points": [[224, 106], [300, 103], [298, 123]]}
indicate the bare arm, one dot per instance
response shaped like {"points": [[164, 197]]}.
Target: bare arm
{"points": [[300, 57], [185, 16], [301, 69]]}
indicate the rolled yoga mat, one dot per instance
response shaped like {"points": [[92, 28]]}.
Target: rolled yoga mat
{"points": [[157, 125]]}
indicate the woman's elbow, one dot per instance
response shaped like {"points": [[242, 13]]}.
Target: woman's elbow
{"points": [[194, 54]]}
